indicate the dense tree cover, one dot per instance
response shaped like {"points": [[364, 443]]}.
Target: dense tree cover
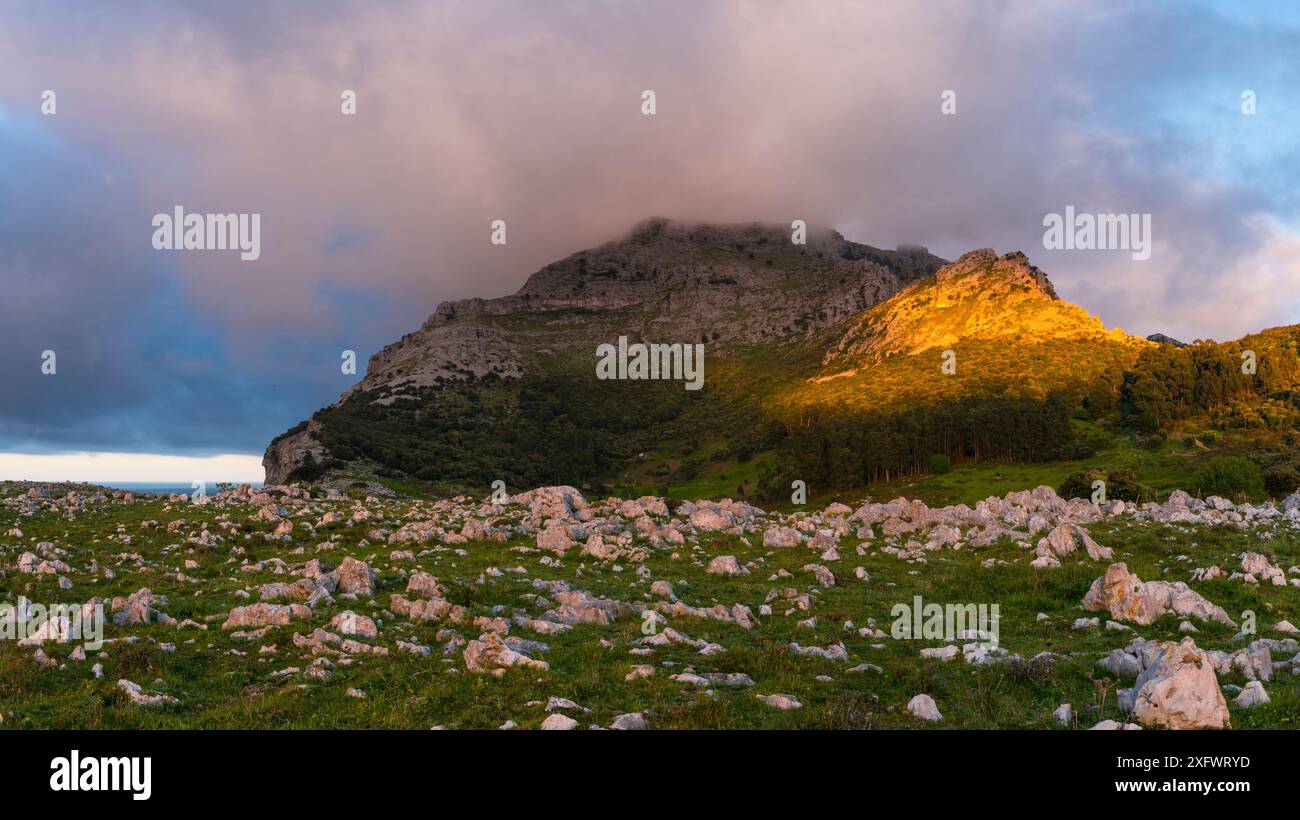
{"points": [[565, 426], [848, 449], [463, 435], [1167, 384]]}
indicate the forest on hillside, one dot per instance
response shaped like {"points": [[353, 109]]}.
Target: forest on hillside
{"points": [[565, 427]]}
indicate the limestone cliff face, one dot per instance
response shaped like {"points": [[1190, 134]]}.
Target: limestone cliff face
{"points": [[290, 451], [981, 296], [665, 281], [722, 285]]}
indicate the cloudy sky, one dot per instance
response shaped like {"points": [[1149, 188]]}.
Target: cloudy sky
{"points": [[531, 112]]}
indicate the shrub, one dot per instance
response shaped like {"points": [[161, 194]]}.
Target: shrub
{"points": [[1078, 449], [939, 464], [308, 471], [1230, 476], [1154, 441], [1282, 479], [1121, 484]]}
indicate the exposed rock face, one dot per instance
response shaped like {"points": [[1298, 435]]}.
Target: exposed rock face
{"points": [[431, 604], [1122, 594], [558, 723], [350, 623], [630, 721], [1251, 695], [134, 609], [677, 282], [1161, 338], [781, 537], [138, 696], [1259, 566], [782, 702], [1063, 540], [795, 600], [289, 452], [956, 306], [1180, 690], [680, 274]]}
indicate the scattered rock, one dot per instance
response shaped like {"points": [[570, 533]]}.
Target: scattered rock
{"points": [[559, 722], [783, 702], [1127, 598], [923, 707], [1252, 694]]}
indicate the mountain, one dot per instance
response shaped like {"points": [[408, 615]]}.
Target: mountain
{"points": [[721, 285], [833, 362], [980, 296], [715, 284], [1163, 339], [1000, 319]]}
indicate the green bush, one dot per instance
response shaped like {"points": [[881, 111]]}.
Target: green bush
{"points": [[308, 471], [1230, 477], [1154, 441], [1121, 484], [939, 464], [1282, 479]]}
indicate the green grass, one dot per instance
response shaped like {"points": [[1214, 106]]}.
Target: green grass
{"points": [[222, 681]]}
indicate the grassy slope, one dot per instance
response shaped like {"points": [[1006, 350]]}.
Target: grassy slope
{"points": [[220, 689]]}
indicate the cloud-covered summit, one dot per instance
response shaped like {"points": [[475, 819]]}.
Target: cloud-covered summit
{"points": [[531, 113]]}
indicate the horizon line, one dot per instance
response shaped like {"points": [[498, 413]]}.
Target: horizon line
{"points": [[95, 467]]}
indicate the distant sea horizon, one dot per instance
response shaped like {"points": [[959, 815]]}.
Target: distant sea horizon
{"points": [[168, 487]]}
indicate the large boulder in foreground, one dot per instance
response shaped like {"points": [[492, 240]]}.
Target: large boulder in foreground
{"points": [[1127, 598], [1180, 690]]}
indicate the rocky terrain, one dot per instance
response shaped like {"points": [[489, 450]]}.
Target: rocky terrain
{"points": [[301, 607], [832, 363], [664, 281], [980, 296], [725, 285]]}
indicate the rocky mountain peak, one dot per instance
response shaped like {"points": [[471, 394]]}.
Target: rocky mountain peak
{"points": [[980, 296], [683, 282], [658, 253], [994, 273], [726, 286], [1161, 338]]}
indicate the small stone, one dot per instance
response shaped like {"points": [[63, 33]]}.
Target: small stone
{"points": [[923, 707], [558, 722], [1064, 714], [1252, 695], [630, 721]]}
